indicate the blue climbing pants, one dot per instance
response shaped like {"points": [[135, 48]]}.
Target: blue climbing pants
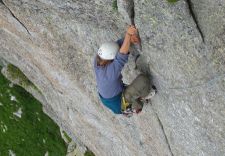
{"points": [[113, 103]]}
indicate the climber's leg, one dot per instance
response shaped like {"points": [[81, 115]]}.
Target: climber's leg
{"points": [[138, 89], [142, 65], [113, 104]]}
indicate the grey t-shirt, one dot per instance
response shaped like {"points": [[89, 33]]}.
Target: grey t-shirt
{"points": [[109, 77]]}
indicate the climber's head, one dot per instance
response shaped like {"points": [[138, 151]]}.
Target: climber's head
{"points": [[101, 62], [107, 52]]}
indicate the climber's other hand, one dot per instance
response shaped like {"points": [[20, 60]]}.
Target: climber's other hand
{"points": [[131, 30], [135, 39]]}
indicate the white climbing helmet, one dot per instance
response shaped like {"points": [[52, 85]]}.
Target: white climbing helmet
{"points": [[108, 50]]}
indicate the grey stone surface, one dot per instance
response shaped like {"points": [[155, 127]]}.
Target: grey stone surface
{"points": [[189, 72], [54, 43], [211, 19]]}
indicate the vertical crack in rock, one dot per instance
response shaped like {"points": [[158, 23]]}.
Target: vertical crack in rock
{"points": [[161, 126], [132, 13], [13, 15], [127, 10], [190, 6]]}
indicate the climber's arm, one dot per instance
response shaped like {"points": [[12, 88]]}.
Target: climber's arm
{"points": [[127, 41], [114, 69]]}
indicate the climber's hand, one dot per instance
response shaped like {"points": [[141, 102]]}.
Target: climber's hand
{"points": [[135, 39], [131, 30]]}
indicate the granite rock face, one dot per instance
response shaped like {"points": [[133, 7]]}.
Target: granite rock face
{"points": [[54, 43]]}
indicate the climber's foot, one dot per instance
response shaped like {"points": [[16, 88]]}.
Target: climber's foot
{"points": [[137, 106], [150, 95], [128, 112]]}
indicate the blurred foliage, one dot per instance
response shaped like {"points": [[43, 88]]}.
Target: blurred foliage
{"points": [[32, 134], [114, 5]]}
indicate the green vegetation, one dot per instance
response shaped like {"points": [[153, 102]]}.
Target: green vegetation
{"points": [[114, 5], [16, 73], [89, 153], [172, 1], [24, 129], [67, 137]]}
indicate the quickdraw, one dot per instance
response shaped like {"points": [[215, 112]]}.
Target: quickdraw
{"points": [[126, 107], [125, 104]]}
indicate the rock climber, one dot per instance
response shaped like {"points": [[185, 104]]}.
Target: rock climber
{"points": [[108, 64]]}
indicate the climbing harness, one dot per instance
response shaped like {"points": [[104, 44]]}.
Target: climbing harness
{"points": [[126, 108], [125, 104]]}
